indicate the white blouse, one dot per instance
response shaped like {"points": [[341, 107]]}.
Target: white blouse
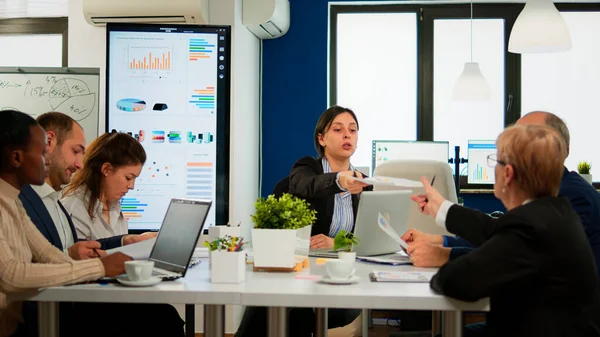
{"points": [[95, 228]]}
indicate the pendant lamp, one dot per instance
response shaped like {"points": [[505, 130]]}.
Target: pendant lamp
{"points": [[540, 28], [471, 85]]}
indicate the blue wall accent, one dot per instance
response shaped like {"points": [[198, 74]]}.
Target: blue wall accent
{"points": [[294, 90], [294, 94]]}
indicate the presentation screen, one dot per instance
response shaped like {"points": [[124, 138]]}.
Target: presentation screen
{"points": [[168, 86], [479, 171], [413, 150]]}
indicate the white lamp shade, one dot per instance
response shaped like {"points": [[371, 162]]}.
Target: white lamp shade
{"points": [[540, 28], [471, 85]]}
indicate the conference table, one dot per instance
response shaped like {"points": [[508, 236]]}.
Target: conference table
{"points": [[277, 291]]}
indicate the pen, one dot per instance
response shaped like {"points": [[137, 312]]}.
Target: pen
{"points": [[97, 254], [426, 201]]}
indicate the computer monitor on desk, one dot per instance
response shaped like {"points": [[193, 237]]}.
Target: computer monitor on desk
{"points": [[479, 171], [384, 150]]}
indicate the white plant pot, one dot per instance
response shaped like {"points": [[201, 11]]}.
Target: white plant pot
{"points": [[227, 267], [587, 177], [349, 256], [277, 248]]}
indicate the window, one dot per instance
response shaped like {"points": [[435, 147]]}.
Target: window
{"points": [[40, 42], [459, 122], [567, 84], [378, 79]]}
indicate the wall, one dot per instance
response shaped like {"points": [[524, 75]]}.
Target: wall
{"points": [[87, 48]]}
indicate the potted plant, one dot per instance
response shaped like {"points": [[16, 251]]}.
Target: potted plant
{"points": [[584, 168], [227, 259], [343, 243], [282, 228]]}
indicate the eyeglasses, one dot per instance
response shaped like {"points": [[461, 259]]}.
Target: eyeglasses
{"points": [[492, 160]]}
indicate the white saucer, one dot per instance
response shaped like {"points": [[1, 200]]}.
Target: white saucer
{"points": [[350, 280], [153, 280]]}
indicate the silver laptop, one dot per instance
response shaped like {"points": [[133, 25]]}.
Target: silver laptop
{"points": [[394, 205], [178, 236]]}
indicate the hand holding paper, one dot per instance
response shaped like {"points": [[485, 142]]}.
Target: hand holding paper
{"points": [[389, 181]]}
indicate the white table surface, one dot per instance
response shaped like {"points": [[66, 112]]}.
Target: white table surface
{"points": [[283, 289], [267, 289], [195, 288]]}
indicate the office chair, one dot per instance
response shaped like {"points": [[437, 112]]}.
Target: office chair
{"points": [[414, 170]]}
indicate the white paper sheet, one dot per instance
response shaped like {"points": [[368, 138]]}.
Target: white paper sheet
{"points": [[389, 181], [385, 226], [138, 251]]}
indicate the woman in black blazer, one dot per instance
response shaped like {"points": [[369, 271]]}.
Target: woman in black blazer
{"points": [[534, 262], [326, 182]]}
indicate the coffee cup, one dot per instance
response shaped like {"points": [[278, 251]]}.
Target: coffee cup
{"points": [[339, 269], [139, 270]]}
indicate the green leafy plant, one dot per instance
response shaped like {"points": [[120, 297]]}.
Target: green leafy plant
{"points": [[343, 241], [228, 243], [584, 167], [285, 212]]}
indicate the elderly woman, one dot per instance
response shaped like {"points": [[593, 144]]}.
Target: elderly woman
{"points": [[533, 262]]}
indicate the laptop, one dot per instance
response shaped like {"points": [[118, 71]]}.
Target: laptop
{"points": [[176, 241], [178, 236], [394, 205]]}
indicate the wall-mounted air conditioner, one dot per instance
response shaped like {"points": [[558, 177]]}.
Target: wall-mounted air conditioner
{"points": [[99, 12], [267, 19]]}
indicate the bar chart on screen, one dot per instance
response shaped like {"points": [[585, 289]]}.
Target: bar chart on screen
{"points": [[479, 170], [199, 180]]}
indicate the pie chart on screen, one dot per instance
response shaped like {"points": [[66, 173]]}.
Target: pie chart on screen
{"points": [[131, 104]]}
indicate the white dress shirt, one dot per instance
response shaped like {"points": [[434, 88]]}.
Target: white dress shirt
{"points": [[96, 227], [50, 199]]}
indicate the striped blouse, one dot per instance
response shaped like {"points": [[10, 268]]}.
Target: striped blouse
{"points": [[343, 214]]}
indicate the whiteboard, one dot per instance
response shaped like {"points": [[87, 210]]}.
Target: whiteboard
{"points": [[73, 91]]}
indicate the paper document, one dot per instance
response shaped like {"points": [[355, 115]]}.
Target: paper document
{"points": [[385, 226], [401, 276], [391, 259], [389, 181], [138, 251]]}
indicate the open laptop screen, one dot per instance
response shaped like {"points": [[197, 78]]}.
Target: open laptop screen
{"points": [[179, 234]]}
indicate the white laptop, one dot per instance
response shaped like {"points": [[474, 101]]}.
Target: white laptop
{"points": [[394, 205], [177, 238]]}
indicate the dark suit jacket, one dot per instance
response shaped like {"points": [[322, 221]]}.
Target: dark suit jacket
{"points": [[308, 181], [39, 215], [534, 263], [585, 201]]}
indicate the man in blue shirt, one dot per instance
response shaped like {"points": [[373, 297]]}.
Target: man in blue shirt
{"points": [[429, 250]]}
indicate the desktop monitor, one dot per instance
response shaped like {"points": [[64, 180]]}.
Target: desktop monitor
{"points": [[478, 170], [169, 87], [384, 150]]}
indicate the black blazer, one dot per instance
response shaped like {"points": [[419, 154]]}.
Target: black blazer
{"points": [[39, 215], [308, 181], [534, 263]]}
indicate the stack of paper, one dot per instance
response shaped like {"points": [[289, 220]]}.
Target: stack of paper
{"points": [[401, 276], [393, 259]]}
